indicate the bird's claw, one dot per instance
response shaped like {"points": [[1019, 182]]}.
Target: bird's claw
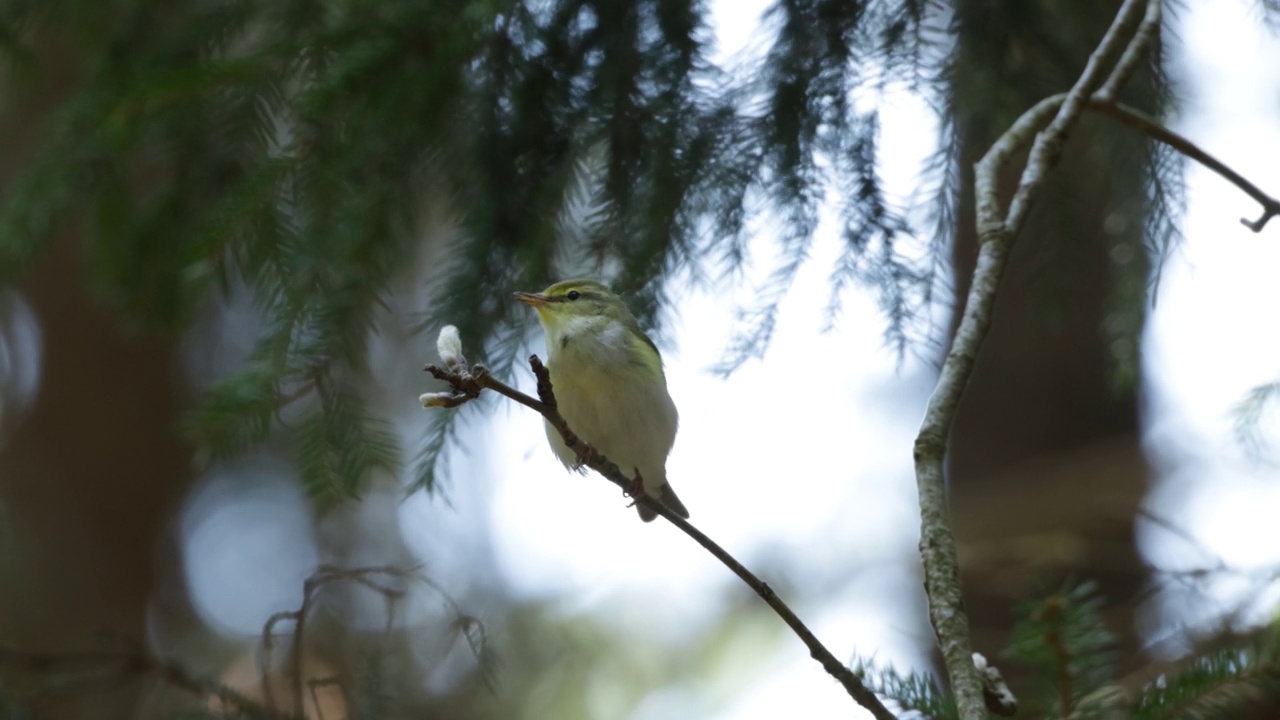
{"points": [[635, 488]]}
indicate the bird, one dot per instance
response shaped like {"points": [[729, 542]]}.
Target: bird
{"points": [[609, 385]]}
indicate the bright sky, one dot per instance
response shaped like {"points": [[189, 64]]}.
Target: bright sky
{"points": [[800, 464], [1212, 335]]}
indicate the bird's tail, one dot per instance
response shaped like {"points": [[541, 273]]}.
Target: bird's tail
{"points": [[667, 497]]}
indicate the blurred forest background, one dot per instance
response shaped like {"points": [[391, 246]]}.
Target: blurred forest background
{"points": [[229, 230]]}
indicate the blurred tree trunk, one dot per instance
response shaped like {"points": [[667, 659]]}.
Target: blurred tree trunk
{"points": [[90, 476], [1046, 467]]}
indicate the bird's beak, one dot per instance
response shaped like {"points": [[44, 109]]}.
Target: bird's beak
{"points": [[537, 300]]}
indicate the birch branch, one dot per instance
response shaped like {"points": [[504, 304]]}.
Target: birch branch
{"points": [[996, 234]]}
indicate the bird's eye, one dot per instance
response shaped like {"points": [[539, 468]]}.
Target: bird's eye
{"points": [[573, 294]]}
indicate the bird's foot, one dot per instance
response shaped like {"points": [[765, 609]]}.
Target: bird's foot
{"points": [[635, 488]]}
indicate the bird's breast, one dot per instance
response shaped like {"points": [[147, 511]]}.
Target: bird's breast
{"points": [[617, 407]]}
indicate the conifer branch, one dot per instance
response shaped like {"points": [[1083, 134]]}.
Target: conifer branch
{"points": [[997, 231], [1052, 617], [467, 384]]}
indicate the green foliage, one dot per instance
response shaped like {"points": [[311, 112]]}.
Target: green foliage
{"points": [[1064, 640], [816, 147], [1065, 643], [1069, 655], [304, 149], [1223, 684], [290, 148], [340, 442], [258, 142], [237, 414], [914, 694]]}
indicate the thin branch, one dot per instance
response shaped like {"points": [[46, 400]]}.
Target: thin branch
{"points": [[323, 576], [1105, 102], [1149, 126], [268, 632], [996, 234], [1137, 47], [467, 384], [1152, 128], [1061, 655], [1048, 145]]}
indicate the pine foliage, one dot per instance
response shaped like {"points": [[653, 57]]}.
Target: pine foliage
{"points": [[1062, 640], [916, 695], [291, 147], [1224, 684]]}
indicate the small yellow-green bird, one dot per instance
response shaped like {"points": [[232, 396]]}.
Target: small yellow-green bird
{"points": [[609, 385]]}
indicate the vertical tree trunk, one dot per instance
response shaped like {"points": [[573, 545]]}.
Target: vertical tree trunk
{"points": [[90, 475], [1046, 468]]}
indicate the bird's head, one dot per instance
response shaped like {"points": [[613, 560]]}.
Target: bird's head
{"points": [[575, 300]]}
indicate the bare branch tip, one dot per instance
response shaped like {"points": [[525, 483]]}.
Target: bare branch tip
{"points": [[1260, 223]]}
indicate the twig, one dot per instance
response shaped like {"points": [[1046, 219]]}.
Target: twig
{"points": [[1149, 126], [323, 576], [996, 234], [268, 632], [1052, 613], [1133, 52], [467, 384], [1105, 102], [1152, 128], [1048, 145], [135, 662]]}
